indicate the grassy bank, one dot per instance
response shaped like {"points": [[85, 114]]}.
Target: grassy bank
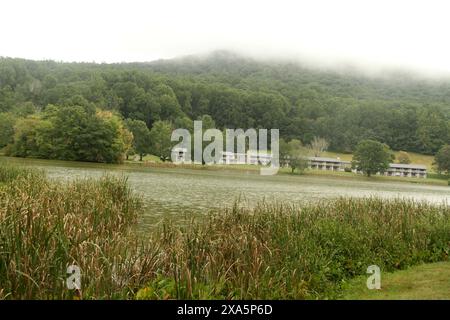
{"points": [[433, 179], [274, 251], [427, 281]]}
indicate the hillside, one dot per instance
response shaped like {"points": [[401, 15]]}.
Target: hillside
{"points": [[404, 111]]}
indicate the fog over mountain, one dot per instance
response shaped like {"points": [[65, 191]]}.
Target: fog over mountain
{"points": [[366, 35], [352, 68]]}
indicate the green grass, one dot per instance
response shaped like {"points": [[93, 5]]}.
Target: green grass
{"points": [[428, 281]]}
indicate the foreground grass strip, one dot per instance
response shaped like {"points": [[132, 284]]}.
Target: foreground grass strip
{"points": [[272, 251], [428, 281]]}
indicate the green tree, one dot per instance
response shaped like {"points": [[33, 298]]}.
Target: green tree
{"points": [[24, 109], [296, 155], [371, 157], [442, 160], [26, 138], [433, 130], [71, 133], [207, 122], [141, 136], [160, 136], [7, 122], [284, 152]]}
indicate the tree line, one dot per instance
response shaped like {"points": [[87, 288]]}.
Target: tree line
{"points": [[344, 108]]}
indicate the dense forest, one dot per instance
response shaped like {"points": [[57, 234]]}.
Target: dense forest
{"points": [[405, 112]]}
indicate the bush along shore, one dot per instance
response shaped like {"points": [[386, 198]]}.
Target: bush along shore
{"points": [[272, 251]]}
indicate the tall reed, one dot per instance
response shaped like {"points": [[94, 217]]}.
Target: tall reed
{"points": [[273, 251], [45, 226], [281, 251]]}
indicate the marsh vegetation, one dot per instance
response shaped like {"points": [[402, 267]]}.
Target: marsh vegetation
{"points": [[271, 250]]}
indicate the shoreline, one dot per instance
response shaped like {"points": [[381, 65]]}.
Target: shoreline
{"points": [[248, 169]]}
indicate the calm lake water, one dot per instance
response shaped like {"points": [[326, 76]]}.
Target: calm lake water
{"points": [[181, 193]]}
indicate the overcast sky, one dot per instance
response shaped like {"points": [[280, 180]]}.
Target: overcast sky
{"points": [[381, 33]]}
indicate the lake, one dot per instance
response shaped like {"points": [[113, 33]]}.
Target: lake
{"points": [[181, 193]]}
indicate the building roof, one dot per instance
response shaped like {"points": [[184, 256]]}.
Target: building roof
{"points": [[323, 159], [407, 166]]}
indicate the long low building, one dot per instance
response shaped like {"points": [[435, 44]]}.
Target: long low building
{"points": [[394, 170], [332, 164], [406, 170], [403, 170], [314, 163], [251, 157]]}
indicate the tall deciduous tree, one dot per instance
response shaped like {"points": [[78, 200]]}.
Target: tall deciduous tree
{"points": [[442, 159], [433, 130], [141, 136], [70, 133], [371, 157], [7, 121], [293, 154], [160, 135]]}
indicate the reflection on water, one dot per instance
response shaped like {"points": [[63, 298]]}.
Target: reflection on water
{"points": [[182, 193]]}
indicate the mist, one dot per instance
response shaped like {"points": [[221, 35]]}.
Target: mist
{"points": [[371, 36]]}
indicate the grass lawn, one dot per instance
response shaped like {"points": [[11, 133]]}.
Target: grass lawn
{"points": [[428, 281]]}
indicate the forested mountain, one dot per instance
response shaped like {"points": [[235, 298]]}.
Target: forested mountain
{"points": [[406, 112]]}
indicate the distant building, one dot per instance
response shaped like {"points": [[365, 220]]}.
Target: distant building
{"points": [[406, 170], [314, 163], [394, 170], [332, 164], [255, 157], [233, 158], [251, 157]]}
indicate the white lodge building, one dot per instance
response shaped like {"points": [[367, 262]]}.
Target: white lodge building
{"points": [[406, 170], [394, 170], [251, 157], [314, 163], [333, 164]]}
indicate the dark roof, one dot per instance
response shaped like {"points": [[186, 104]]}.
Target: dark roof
{"points": [[323, 159]]}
